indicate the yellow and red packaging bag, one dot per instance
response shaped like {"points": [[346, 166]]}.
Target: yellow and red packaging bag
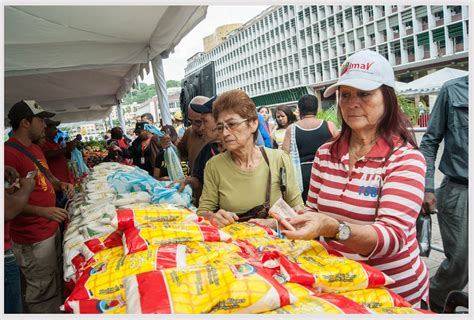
{"points": [[376, 298], [322, 304], [244, 230], [95, 245], [332, 274], [136, 215], [400, 310], [102, 279], [294, 248], [96, 306], [80, 263], [142, 237], [208, 289]]}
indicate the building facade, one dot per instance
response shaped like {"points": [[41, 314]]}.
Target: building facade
{"points": [[287, 51], [212, 40]]}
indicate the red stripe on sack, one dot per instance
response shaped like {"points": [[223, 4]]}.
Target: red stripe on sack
{"points": [[134, 241], [113, 240], [282, 291], [125, 219], [398, 301], [296, 273], [345, 304], [80, 291], [376, 277], [94, 245], [153, 292], [166, 256], [209, 233]]}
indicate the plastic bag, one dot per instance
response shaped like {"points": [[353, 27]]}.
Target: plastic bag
{"points": [[141, 215], [76, 156], [332, 274], [96, 306], [322, 304], [423, 233], [400, 310], [167, 192], [376, 298], [212, 288], [141, 237], [93, 246], [172, 160], [243, 230], [123, 199]]}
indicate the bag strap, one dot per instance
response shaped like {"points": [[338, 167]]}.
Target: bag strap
{"points": [[269, 180], [32, 157]]}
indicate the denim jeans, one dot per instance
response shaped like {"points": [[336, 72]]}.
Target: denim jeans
{"points": [[12, 297]]}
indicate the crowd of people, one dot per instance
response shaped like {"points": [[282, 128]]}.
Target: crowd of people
{"points": [[358, 189]]}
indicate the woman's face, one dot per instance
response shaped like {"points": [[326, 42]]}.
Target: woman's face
{"points": [[361, 110], [282, 118], [265, 113], [235, 131]]}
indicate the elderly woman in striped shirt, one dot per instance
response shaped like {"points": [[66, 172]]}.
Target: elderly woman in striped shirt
{"points": [[367, 186]]}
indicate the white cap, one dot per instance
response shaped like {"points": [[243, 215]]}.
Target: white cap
{"points": [[365, 70]]}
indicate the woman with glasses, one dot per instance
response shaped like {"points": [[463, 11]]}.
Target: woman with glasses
{"points": [[284, 117], [367, 186], [242, 183]]}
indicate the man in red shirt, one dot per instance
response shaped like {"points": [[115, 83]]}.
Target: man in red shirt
{"points": [[34, 232], [56, 157]]}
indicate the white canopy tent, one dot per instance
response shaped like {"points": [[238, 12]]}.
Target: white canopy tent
{"points": [[432, 82], [79, 61], [399, 86]]}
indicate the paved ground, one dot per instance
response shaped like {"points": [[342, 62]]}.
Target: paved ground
{"points": [[435, 258]]}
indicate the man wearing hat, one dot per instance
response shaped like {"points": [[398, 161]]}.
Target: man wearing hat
{"points": [[55, 154], [213, 147], [35, 237], [193, 139], [178, 124]]}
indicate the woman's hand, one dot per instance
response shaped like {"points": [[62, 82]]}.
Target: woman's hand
{"points": [[271, 223], [223, 218], [311, 225]]}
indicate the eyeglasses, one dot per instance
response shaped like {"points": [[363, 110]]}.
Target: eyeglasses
{"points": [[231, 125]]}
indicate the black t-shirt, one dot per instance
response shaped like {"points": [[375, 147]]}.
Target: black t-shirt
{"points": [[160, 163], [207, 152], [137, 153]]}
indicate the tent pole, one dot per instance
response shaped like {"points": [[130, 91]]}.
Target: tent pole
{"points": [[161, 91], [120, 116], [111, 124]]}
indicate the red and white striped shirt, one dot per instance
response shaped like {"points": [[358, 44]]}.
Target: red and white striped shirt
{"points": [[401, 179]]}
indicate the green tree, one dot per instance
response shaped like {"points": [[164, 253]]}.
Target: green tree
{"points": [[173, 83], [409, 109]]}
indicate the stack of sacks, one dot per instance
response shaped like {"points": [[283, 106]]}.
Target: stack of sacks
{"points": [[163, 258]]}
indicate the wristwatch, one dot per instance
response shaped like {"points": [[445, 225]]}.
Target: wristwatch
{"points": [[343, 232]]}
